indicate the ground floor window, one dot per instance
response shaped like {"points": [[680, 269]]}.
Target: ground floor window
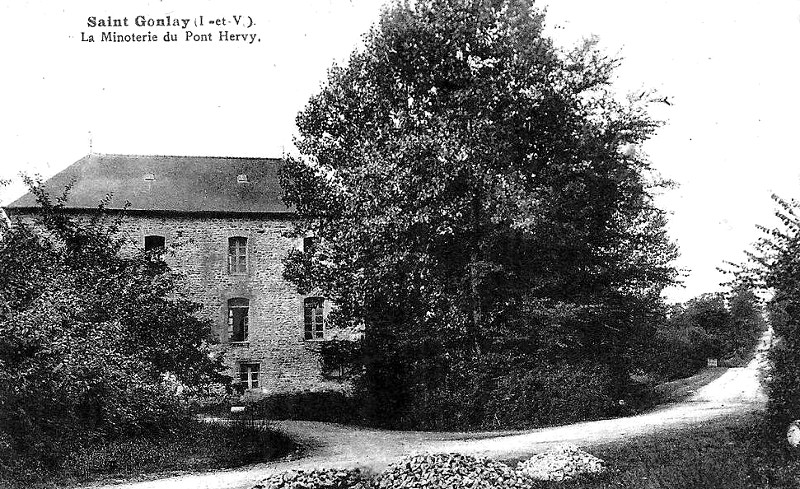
{"points": [[248, 375]]}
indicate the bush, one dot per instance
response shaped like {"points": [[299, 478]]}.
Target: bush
{"points": [[678, 354], [557, 394], [93, 339], [471, 399], [735, 360], [328, 406], [784, 381], [492, 396]]}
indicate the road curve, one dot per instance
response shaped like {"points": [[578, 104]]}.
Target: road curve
{"points": [[737, 391]]}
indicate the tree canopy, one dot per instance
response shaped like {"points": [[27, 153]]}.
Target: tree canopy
{"points": [[481, 209], [720, 326]]}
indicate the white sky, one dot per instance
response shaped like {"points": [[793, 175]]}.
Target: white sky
{"points": [[730, 68]]}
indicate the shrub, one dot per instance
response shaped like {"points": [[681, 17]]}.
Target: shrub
{"points": [[678, 354], [329, 406], [784, 381], [491, 396], [89, 335], [469, 399], [557, 394]]}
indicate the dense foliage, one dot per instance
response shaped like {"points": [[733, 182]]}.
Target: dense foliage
{"points": [[708, 326], [94, 340], [775, 266], [747, 323], [481, 214]]}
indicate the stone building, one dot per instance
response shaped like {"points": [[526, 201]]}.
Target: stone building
{"points": [[227, 230]]}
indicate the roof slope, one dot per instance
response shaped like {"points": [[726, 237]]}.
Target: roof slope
{"points": [[179, 184]]}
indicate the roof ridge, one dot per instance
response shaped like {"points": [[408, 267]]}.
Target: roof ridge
{"points": [[187, 156]]}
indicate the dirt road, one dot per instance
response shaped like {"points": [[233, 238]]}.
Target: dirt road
{"points": [[736, 391]]}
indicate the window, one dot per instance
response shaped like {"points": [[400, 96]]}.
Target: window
{"points": [[248, 375], [154, 242], [238, 312], [313, 318], [237, 255]]}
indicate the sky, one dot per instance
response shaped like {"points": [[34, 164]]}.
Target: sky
{"points": [[728, 68]]}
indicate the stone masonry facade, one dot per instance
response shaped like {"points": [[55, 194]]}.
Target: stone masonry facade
{"points": [[198, 247]]}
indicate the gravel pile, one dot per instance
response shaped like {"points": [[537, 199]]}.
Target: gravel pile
{"points": [[447, 471], [561, 463], [450, 470], [314, 479]]}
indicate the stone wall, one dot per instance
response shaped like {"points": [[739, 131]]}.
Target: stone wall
{"points": [[198, 248]]}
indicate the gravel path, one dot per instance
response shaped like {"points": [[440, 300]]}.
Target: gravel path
{"points": [[735, 392]]}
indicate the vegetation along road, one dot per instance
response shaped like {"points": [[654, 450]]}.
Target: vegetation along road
{"points": [[329, 445]]}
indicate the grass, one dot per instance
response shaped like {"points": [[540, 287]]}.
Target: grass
{"points": [[731, 453], [191, 446], [681, 389]]}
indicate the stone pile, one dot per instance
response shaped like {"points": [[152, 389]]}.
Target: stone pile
{"points": [[450, 470], [315, 479], [561, 463]]}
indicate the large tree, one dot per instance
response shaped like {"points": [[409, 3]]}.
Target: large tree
{"points": [[482, 211]]}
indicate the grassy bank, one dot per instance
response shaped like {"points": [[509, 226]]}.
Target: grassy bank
{"points": [[191, 446], [682, 389], [728, 453]]}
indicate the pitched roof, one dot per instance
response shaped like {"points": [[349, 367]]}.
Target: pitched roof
{"points": [[168, 183]]}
